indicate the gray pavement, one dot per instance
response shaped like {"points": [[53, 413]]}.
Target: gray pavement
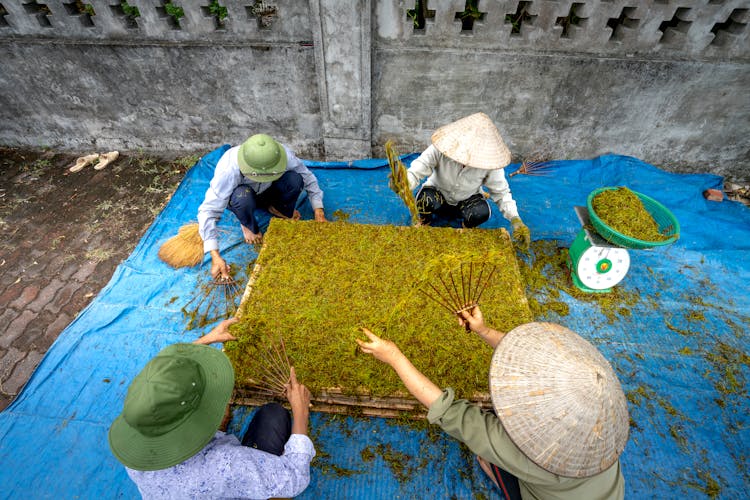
{"points": [[62, 235]]}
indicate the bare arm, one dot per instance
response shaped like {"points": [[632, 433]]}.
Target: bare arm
{"points": [[299, 399], [415, 381], [219, 333]]}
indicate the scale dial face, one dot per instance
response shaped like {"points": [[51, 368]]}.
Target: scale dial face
{"points": [[600, 268]]}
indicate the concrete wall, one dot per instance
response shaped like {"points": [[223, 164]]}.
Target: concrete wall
{"points": [[666, 82], [155, 85], [88, 96], [678, 98]]}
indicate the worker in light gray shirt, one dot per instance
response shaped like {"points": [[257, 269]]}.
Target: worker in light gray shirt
{"points": [[260, 173], [466, 157]]}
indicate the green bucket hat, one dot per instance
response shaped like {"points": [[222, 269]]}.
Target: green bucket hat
{"points": [[173, 407], [262, 159]]}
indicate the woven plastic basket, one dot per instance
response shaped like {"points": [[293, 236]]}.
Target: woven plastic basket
{"points": [[667, 223]]}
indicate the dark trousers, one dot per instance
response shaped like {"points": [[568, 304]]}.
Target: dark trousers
{"points": [[472, 211], [269, 430], [508, 483], [282, 194]]}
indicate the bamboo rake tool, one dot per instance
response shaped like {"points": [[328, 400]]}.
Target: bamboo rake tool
{"points": [[536, 164], [275, 370], [215, 300], [460, 289]]}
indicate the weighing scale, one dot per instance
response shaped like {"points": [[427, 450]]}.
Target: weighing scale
{"points": [[596, 265]]}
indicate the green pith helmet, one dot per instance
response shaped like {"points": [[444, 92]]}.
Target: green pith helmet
{"points": [[262, 159], [173, 407]]}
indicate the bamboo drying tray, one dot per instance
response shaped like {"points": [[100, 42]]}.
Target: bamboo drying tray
{"points": [[315, 284]]}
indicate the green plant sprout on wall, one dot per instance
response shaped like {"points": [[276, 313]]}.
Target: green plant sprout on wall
{"points": [[419, 14], [515, 20], [85, 8], [315, 285], [130, 10], [175, 11], [414, 15], [471, 11], [217, 10], [566, 22]]}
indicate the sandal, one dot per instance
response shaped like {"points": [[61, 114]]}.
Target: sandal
{"points": [[84, 161], [106, 159]]}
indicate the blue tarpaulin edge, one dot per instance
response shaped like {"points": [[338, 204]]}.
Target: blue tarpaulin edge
{"points": [[679, 351]]}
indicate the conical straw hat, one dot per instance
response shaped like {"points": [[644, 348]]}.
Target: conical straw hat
{"points": [[559, 400], [473, 141]]}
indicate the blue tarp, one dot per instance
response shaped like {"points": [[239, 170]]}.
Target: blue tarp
{"points": [[681, 353]]}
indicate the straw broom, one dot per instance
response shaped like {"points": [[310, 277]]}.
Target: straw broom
{"points": [[184, 249], [400, 181]]}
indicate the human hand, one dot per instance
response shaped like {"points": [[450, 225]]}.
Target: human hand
{"points": [[297, 394], [219, 333], [219, 266], [383, 350], [473, 320], [320, 215], [521, 233]]}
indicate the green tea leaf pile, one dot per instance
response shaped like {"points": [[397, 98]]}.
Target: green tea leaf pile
{"points": [[623, 211], [318, 283], [399, 182]]}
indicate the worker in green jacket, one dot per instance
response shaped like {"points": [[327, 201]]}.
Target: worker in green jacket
{"points": [[560, 418]]}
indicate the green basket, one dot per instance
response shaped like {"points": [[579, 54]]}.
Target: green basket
{"points": [[667, 223]]}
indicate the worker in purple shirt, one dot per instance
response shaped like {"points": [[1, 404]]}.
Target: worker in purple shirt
{"points": [[259, 174], [170, 434]]}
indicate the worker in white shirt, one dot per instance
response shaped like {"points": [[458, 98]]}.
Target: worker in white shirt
{"points": [[259, 174]]}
